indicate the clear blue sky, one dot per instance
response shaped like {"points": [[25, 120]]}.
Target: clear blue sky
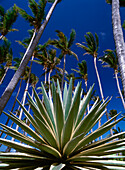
{"points": [[83, 16]]}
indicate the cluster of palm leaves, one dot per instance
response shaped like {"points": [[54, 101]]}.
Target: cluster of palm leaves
{"points": [[7, 18], [59, 135]]}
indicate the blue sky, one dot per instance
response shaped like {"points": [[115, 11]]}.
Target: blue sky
{"points": [[83, 16]]}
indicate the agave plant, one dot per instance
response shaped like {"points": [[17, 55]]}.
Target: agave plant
{"points": [[59, 135]]}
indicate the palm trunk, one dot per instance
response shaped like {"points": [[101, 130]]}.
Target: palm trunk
{"points": [[49, 78], [100, 87], [1, 37], [10, 88], [119, 40], [86, 93], [99, 81], [25, 92], [45, 74], [64, 65], [116, 76], [1, 81]]}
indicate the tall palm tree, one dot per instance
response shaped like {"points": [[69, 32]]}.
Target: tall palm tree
{"points": [[7, 19], [11, 86], [111, 60], [65, 46], [91, 48], [6, 56], [118, 37], [83, 71]]}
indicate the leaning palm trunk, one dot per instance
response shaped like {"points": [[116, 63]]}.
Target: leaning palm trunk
{"points": [[1, 81], [64, 65], [100, 87], [121, 96], [10, 88], [118, 37]]}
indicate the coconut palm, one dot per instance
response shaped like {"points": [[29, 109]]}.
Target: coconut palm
{"points": [[91, 48], [65, 46], [62, 140], [11, 86], [6, 56], [38, 12], [111, 60], [83, 71], [118, 37], [7, 19]]}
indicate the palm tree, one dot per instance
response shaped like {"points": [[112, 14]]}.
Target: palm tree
{"points": [[7, 19], [65, 46], [83, 71], [111, 60], [91, 48], [6, 56], [113, 113], [11, 86], [118, 37], [62, 140]]}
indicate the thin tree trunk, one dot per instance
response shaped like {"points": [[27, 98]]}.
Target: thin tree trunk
{"points": [[99, 81], [49, 78], [100, 87], [10, 88], [1, 81], [86, 93], [121, 96], [119, 40], [45, 74], [64, 65], [1, 37], [25, 93]]}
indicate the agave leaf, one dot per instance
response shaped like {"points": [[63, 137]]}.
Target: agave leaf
{"points": [[58, 110], [20, 147], [25, 127], [103, 141], [51, 150], [95, 134], [48, 106], [59, 91], [59, 116], [57, 167], [42, 110], [102, 148], [110, 120], [93, 158], [86, 122], [85, 103], [96, 117], [69, 124], [30, 118], [21, 156], [68, 99], [65, 91], [16, 135], [47, 133], [111, 162], [37, 112]]}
